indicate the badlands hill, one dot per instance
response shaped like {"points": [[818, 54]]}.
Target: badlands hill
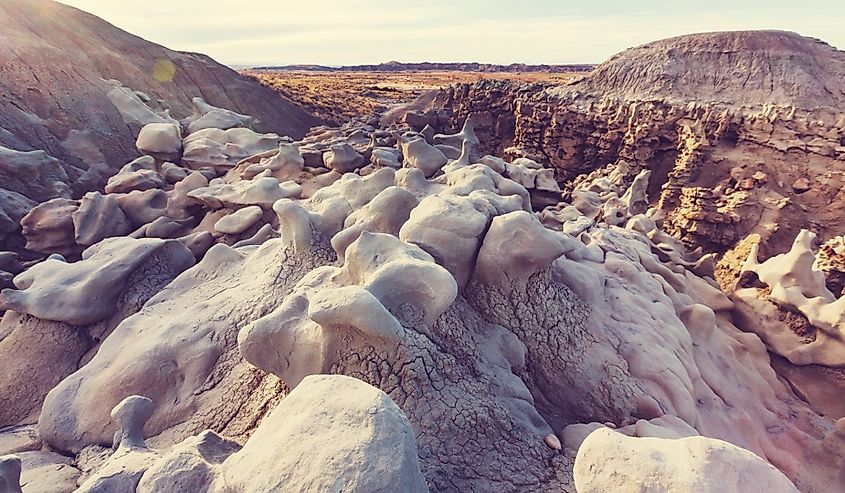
{"points": [[739, 67], [55, 62]]}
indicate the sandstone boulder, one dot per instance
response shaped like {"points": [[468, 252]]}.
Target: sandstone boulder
{"points": [[610, 461], [162, 140], [330, 433], [98, 217], [48, 227]]}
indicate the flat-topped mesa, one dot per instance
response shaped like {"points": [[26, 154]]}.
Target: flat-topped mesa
{"points": [[88, 291]]}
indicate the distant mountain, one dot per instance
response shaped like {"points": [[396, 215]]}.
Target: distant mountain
{"points": [[394, 66]]}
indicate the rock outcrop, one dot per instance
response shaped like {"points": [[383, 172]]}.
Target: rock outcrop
{"points": [[720, 119], [733, 67], [60, 312], [56, 97], [68, 117], [501, 327], [330, 433], [786, 302], [390, 309], [610, 461]]}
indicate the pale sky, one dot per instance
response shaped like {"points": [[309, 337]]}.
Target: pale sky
{"points": [[336, 32]]}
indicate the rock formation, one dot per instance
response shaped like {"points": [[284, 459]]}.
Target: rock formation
{"points": [[60, 312], [348, 435], [500, 329], [610, 461], [391, 309], [68, 118], [720, 119], [800, 71]]}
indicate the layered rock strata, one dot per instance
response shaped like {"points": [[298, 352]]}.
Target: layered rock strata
{"points": [[721, 119]]}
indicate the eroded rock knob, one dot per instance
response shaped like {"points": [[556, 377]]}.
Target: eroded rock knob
{"points": [[132, 414], [10, 474]]}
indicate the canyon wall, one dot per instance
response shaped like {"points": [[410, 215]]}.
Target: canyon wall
{"points": [[729, 157]]}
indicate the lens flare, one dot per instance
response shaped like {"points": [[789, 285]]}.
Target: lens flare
{"points": [[164, 70]]}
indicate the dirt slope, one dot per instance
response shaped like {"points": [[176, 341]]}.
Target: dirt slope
{"points": [[52, 96]]}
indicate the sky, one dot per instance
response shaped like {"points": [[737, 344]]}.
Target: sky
{"points": [[350, 32]]}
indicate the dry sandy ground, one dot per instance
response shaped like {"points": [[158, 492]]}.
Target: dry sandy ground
{"points": [[338, 96]]}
